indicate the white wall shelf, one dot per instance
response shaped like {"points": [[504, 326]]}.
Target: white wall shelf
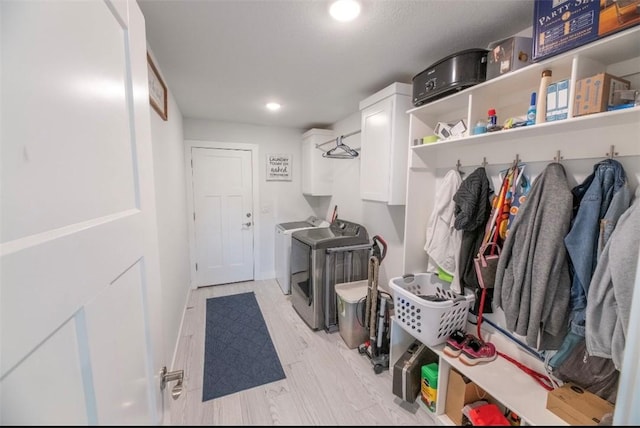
{"points": [[499, 378], [576, 138], [540, 142]]}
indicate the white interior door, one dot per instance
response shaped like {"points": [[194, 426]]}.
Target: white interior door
{"points": [[223, 215], [78, 246]]}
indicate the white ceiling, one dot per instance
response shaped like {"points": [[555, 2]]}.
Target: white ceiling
{"points": [[225, 59]]}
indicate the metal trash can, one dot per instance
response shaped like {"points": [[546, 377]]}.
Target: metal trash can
{"points": [[351, 300]]}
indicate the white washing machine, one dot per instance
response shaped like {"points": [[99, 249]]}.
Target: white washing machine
{"points": [[283, 247]]}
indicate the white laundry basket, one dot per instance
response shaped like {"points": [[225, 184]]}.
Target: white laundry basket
{"points": [[431, 322]]}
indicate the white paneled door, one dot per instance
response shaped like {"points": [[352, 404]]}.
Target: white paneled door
{"points": [[79, 314], [223, 215]]}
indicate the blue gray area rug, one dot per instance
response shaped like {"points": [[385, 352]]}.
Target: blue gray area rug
{"points": [[238, 351]]}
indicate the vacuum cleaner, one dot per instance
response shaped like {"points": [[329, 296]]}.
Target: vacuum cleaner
{"points": [[377, 314]]}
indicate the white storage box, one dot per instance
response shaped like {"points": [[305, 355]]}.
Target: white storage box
{"points": [[426, 307], [351, 300]]}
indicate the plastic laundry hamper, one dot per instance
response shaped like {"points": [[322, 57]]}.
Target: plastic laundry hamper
{"points": [[350, 301], [425, 307]]}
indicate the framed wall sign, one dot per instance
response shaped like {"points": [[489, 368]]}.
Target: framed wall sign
{"points": [[157, 89], [279, 167]]}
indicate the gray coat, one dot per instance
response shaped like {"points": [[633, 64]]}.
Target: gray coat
{"points": [[611, 289], [532, 283]]}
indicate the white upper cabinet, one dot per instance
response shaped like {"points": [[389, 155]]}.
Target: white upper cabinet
{"points": [[385, 144], [317, 175]]}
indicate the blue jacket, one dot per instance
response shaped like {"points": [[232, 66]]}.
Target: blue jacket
{"points": [[595, 195]]}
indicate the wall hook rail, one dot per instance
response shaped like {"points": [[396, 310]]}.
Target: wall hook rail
{"points": [[558, 157], [612, 152]]}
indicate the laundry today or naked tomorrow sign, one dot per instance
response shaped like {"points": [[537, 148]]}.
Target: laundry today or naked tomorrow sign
{"points": [[279, 167]]}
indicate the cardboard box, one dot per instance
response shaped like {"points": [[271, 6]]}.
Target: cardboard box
{"points": [[561, 25], [596, 93], [552, 99], [461, 391], [508, 55], [557, 100], [577, 406], [562, 100]]}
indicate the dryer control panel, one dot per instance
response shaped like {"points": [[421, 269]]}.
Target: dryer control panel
{"points": [[345, 228]]}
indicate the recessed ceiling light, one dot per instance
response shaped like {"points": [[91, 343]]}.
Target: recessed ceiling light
{"points": [[344, 10], [273, 106]]}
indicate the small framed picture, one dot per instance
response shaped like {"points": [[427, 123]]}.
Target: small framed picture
{"points": [[157, 89], [279, 167]]}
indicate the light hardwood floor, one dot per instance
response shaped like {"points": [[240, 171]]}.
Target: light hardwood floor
{"points": [[326, 382]]}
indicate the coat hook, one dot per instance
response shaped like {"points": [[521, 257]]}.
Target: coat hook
{"points": [[458, 165], [517, 160], [484, 162], [612, 153], [558, 158]]}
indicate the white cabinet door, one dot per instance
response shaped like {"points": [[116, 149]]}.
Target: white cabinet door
{"points": [[376, 145], [385, 145], [317, 175]]}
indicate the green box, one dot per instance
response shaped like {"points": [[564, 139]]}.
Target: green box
{"points": [[429, 385]]}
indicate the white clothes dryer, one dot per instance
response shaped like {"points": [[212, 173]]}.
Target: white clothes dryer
{"points": [[283, 248]]}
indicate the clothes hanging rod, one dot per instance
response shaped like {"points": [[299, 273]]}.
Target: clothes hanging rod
{"points": [[334, 139], [348, 152]]}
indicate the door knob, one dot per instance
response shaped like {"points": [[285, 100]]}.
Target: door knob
{"points": [[167, 376]]}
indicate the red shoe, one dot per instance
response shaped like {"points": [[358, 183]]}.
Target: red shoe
{"points": [[476, 351], [454, 344]]}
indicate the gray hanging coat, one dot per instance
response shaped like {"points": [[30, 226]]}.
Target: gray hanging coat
{"points": [[532, 283]]}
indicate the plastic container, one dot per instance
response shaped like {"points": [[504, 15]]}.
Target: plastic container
{"points": [[531, 112], [492, 120], [430, 139], [433, 317], [541, 107], [429, 385], [351, 297], [480, 128]]}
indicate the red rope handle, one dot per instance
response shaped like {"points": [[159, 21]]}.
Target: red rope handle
{"points": [[538, 377], [479, 322]]}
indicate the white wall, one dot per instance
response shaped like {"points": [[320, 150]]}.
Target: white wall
{"points": [[283, 201], [171, 215], [280, 201], [378, 217]]}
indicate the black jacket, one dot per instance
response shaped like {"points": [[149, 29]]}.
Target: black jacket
{"points": [[472, 212]]}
